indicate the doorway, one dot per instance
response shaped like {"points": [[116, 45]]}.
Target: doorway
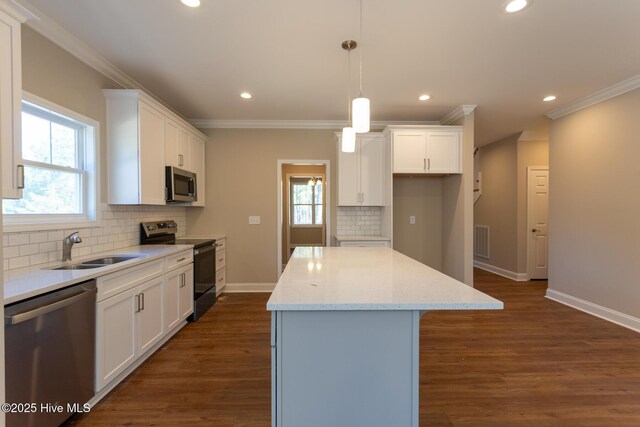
{"points": [[303, 206], [538, 222]]}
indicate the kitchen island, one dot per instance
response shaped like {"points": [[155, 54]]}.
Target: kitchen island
{"points": [[345, 335]]}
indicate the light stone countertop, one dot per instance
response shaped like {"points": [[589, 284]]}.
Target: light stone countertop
{"points": [[338, 278], [23, 283], [352, 238], [204, 236]]}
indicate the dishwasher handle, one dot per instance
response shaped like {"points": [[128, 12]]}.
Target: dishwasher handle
{"points": [[14, 319]]}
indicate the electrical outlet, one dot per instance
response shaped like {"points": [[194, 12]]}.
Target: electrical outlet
{"points": [[254, 220], [412, 219]]}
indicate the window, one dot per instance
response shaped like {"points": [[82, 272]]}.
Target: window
{"points": [[60, 166], [306, 201]]}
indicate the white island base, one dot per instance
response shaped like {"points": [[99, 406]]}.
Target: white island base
{"points": [[345, 335]]}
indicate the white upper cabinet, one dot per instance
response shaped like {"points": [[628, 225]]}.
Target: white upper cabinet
{"points": [[430, 150], [409, 151], [177, 146], [143, 137], [11, 106], [151, 155], [443, 152], [361, 175], [196, 164]]}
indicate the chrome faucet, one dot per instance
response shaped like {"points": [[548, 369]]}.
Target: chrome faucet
{"points": [[67, 244]]}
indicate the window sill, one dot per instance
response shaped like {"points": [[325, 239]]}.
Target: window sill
{"points": [[306, 226], [46, 226]]}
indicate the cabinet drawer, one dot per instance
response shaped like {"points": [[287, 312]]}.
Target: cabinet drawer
{"points": [[220, 260], [115, 283], [365, 244], [222, 244], [179, 259], [220, 279]]}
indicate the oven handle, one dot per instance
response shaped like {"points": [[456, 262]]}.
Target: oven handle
{"points": [[204, 250]]}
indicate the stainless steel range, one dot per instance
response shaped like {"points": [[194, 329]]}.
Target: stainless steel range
{"points": [[204, 261]]}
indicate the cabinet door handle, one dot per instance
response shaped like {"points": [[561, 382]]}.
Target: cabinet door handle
{"points": [[137, 297], [181, 161], [183, 280], [20, 177], [142, 299], [424, 163], [429, 164], [180, 260]]}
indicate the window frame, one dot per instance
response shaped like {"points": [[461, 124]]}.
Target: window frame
{"points": [[313, 204], [88, 160]]}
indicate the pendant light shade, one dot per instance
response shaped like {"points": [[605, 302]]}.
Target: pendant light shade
{"points": [[348, 140], [361, 113]]}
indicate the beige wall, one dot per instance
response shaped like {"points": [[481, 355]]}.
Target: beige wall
{"points": [[299, 235], [457, 212], [595, 204], [241, 167], [52, 73], [420, 197], [496, 207], [530, 153]]}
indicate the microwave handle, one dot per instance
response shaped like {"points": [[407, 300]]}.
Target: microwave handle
{"points": [[192, 186]]}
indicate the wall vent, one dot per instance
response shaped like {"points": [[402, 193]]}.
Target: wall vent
{"points": [[481, 241]]}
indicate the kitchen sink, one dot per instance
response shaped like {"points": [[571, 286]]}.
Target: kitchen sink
{"points": [[95, 263], [77, 267], [108, 260]]}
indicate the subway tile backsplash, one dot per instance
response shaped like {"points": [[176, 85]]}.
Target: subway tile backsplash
{"points": [[359, 221], [119, 228]]}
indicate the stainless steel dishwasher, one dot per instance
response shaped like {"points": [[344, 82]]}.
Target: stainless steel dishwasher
{"points": [[50, 355]]}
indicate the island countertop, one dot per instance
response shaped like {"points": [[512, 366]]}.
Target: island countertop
{"points": [[338, 278]]}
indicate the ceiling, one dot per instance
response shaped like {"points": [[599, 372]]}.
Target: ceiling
{"points": [[287, 54]]}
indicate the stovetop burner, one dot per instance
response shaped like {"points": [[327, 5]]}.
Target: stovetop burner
{"points": [[164, 233]]}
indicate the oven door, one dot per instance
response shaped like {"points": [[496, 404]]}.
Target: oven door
{"points": [[204, 265], [181, 185]]}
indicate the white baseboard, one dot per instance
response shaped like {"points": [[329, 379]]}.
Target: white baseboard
{"points": [[518, 277], [248, 287], [605, 313]]}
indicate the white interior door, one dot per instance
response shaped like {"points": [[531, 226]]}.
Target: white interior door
{"points": [[537, 222]]}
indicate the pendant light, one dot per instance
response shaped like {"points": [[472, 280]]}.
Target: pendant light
{"points": [[348, 133], [361, 105]]}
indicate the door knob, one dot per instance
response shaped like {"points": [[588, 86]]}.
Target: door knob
{"points": [[534, 230]]}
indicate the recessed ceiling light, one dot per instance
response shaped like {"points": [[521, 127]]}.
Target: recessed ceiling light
{"points": [[424, 97], [191, 3], [246, 95], [549, 98], [516, 5]]}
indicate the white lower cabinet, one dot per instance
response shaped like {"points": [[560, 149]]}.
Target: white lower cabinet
{"points": [[178, 301], [365, 243], [116, 336], [149, 322], [132, 321]]}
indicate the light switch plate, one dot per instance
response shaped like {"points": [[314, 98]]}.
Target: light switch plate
{"points": [[254, 220], [412, 219]]}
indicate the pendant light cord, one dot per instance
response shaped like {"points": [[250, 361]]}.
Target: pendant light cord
{"points": [[349, 83], [361, 48]]}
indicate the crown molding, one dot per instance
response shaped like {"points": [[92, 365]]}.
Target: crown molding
{"points": [[292, 124], [17, 11], [72, 44], [461, 111], [602, 95]]}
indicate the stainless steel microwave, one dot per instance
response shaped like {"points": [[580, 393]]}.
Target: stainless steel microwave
{"points": [[181, 185]]}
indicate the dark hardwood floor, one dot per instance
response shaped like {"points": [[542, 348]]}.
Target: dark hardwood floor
{"points": [[536, 363]]}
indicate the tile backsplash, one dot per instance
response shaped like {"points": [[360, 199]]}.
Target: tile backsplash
{"points": [[119, 227], [359, 221]]}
